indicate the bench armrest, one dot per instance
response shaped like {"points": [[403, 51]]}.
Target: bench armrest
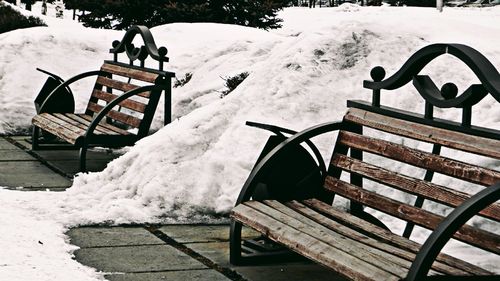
{"points": [[57, 77], [445, 230], [68, 82], [303, 136], [272, 128], [279, 132]]}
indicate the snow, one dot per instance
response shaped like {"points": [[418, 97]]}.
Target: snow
{"points": [[193, 169], [35, 248]]}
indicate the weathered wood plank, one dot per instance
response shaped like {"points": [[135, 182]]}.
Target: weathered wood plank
{"points": [[130, 73], [345, 243], [485, 240], [447, 166], [55, 129], [362, 238], [128, 103], [428, 190], [310, 247], [98, 130], [453, 139], [68, 126], [387, 236], [116, 115], [115, 84], [87, 119]]}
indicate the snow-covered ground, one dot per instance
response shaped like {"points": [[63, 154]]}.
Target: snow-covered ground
{"points": [[192, 170]]}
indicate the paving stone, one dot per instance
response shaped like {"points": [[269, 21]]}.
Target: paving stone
{"points": [[85, 237], [30, 174], [288, 272], [218, 252], [211, 233], [72, 167], [188, 275], [74, 154], [145, 258], [4, 144], [15, 154]]}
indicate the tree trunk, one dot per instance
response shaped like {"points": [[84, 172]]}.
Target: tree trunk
{"points": [[439, 5], [44, 7]]}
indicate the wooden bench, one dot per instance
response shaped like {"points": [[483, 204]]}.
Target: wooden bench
{"points": [[122, 104], [289, 194]]}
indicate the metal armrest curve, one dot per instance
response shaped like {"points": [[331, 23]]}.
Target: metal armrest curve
{"points": [[445, 230], [70, 81], [279, 132], [305, 135]]}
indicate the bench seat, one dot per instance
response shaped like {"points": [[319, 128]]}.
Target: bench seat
{"points": [[73, 127], [341, 241]]}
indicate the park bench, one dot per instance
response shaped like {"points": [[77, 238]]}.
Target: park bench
{"points": [[121, 107], [289, 194]]}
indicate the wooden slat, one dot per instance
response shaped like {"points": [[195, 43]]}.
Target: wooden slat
{"points": [[50, 117], [118, 85], [428, 190], [116, 115], [447, 166], [387, 236], [310, 247], [474, 236], [453, 139], [128, 103], [87, 119], [98, 130], [58, 130], [369, 241], [129, 72], [346, 243], [393, 259]]}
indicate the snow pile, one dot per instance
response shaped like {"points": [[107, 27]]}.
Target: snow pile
{"points": [[349, 7], [35, 248], [301, 75]]}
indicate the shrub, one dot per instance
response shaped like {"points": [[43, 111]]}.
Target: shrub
{"points": [[233, 82], [11, 19], [183, 81]]}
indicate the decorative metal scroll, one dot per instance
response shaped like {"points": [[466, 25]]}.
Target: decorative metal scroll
{"points": [[445, 97], [139, 53]]}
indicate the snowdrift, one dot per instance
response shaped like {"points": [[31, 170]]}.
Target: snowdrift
{"points": [[300, 75]]}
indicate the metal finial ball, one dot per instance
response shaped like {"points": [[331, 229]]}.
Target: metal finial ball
{"points": [[115, 43], [162, 51], [449, 91], [377, 73]]}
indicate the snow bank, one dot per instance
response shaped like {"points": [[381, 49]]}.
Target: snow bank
{"points": [[301, 75], [33, 247]]}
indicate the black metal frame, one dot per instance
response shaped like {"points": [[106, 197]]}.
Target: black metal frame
{"points": [[248, 189], [445, 230], [162, 84], [444, 98]]}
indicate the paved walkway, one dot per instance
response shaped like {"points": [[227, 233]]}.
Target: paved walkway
{"points": [[141, 252]]}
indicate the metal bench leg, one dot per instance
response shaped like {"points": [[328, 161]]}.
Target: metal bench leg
{"points": [[83, 158], [235, 243], [34, 138]]}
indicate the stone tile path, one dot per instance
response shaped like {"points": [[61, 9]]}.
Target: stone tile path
{"points": [[141, 252]]}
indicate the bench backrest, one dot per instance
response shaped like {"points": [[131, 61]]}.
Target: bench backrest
{"points": [[373, 146], [136, 111]]}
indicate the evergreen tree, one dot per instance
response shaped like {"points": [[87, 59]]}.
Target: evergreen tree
{"points": [[124, 13]]}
